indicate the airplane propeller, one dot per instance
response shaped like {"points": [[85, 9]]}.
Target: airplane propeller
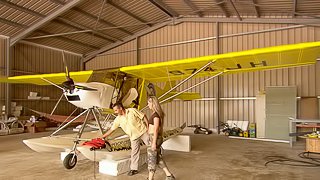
{"points": [[69, 83]]}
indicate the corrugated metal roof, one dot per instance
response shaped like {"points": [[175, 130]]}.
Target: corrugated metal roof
{"points": [[94, 24]]}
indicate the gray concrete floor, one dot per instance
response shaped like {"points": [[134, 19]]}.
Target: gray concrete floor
{"points": [[213, 157]]}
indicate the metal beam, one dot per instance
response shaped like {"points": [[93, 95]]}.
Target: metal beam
{"points": [[235, 9], [45, 20], [23, 9], [3, 36], [164, 8], [101, 20], [11, 23], [219, 80], [77, 26], [206, 39], [306, 21], [256, 8], [71, 40], [8, 73], [111, 38], [294, 8], [193, 7], [89, 56], [48, 47], [127, 12], [221, 4], [98, 18], [58, 2], [91, 30], [96, 53]]}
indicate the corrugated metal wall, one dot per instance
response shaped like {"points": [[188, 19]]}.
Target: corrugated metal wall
{"points": [[123, 55], [3, 52], [157, 46], [28, 59]]}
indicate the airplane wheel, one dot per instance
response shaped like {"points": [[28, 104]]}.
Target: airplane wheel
{"points": [[70, 161]]}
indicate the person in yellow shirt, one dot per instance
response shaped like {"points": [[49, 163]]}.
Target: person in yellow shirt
{"points": [[135, 124]]}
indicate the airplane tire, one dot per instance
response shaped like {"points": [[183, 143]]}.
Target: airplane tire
{"points": [[70, 161]]}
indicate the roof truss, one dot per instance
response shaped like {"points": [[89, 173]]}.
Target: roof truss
{"points": [[45, 20], [256, 8], [193, 7], [221, 5], [164, 8], [108, 24]]}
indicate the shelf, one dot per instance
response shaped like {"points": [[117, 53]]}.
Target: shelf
{"points": [[38, 100]]}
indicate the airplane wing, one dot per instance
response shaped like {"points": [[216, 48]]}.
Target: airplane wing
{"points": [[244, 61], [57, 78], [104, 76], [4, 79], [250, 60]]}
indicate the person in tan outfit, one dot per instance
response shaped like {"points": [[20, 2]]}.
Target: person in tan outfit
{"points": [[135, 124]]}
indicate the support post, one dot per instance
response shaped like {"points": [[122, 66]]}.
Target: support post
{"points": [[218, 89], [8, 86]]}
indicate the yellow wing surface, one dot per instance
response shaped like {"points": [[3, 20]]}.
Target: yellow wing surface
{"points": [[251, 60], [57, 78]]}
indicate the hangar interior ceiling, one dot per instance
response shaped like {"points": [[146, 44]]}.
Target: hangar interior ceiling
{"points": [[90, 27], [100, 34]]}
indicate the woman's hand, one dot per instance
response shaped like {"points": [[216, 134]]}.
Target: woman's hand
{"points": [[153, 147]]}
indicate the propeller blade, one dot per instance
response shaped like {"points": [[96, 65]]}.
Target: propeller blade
{"points": [[85, 88], [65, 65]]}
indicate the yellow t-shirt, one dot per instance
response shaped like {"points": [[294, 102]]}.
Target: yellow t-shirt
{"points": [[131, 123]]}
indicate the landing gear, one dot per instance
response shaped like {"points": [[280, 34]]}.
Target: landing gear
{"points": [[70, 161]]}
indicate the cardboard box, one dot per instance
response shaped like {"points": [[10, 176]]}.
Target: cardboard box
{"points": [[33, 94], [36, 126], [16, 113], [18, 108], [313, 145], [13, 104]]}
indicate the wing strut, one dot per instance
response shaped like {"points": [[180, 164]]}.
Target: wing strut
{"points": [[193, 74], [55, 107], [52, 83], [65, 125], [191, 87]]}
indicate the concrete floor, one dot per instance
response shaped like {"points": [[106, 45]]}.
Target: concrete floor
{"points": [[213, 157]]}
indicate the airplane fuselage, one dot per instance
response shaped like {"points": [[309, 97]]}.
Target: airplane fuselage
{"points": [[99, 95]]}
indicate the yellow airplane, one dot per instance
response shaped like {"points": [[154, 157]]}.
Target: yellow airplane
{"points": [[95, 89]]}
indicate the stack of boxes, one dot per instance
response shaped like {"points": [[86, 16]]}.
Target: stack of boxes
{"points": [[15, 110], [34, 95], [3, 110]]}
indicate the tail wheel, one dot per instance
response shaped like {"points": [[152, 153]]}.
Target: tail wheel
{"points": [[70, 161]]}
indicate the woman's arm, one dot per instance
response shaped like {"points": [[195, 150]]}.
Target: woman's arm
{"points": [[156, 124], [146, 121]]}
